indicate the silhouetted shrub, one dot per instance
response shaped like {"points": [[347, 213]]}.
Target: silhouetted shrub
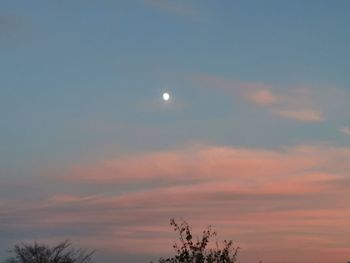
{"points": [[39, 253], [196, 251]]}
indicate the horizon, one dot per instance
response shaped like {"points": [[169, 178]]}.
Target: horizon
{"points": [[119, 115]]}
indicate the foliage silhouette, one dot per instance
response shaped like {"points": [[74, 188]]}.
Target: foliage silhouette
{"points": [[197, 251], [39, 253]]}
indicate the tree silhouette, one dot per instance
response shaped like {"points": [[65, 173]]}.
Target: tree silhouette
{"points": [[39, 253], [197, 251]]}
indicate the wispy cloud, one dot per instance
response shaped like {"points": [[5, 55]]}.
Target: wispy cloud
{"points": [[302, 115], [298, 104], [262, 97], [193, 164], [297, 196], [173, 7], [345, 130]]}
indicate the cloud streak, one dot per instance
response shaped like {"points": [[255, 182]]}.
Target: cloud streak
{"points": [[296, 196], [306, 115], [298, 105], [198, 163]]}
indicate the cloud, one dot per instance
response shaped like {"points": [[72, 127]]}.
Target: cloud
{"points": [[229, 85], [262, 97], [173, 7], [304, 115], [298, 103], [296, 196], [193, 164], [345, 130]]}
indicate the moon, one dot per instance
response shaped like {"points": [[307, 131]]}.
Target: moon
{"points": [[166, 96]]}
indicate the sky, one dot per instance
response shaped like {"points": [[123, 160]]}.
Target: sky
{"points": [[255, 139]]}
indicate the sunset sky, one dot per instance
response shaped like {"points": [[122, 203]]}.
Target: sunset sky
{"points": [[255, 139]]}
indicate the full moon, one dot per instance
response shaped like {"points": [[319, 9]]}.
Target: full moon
{"points": [[166, 96]]}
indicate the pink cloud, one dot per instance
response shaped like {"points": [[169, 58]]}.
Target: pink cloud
{"points": [[262, 97], [297, 103], [345, 130], [295, 197], [207, 164]]}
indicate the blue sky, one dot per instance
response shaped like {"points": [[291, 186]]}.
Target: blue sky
{"points": [[82, 82]]}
